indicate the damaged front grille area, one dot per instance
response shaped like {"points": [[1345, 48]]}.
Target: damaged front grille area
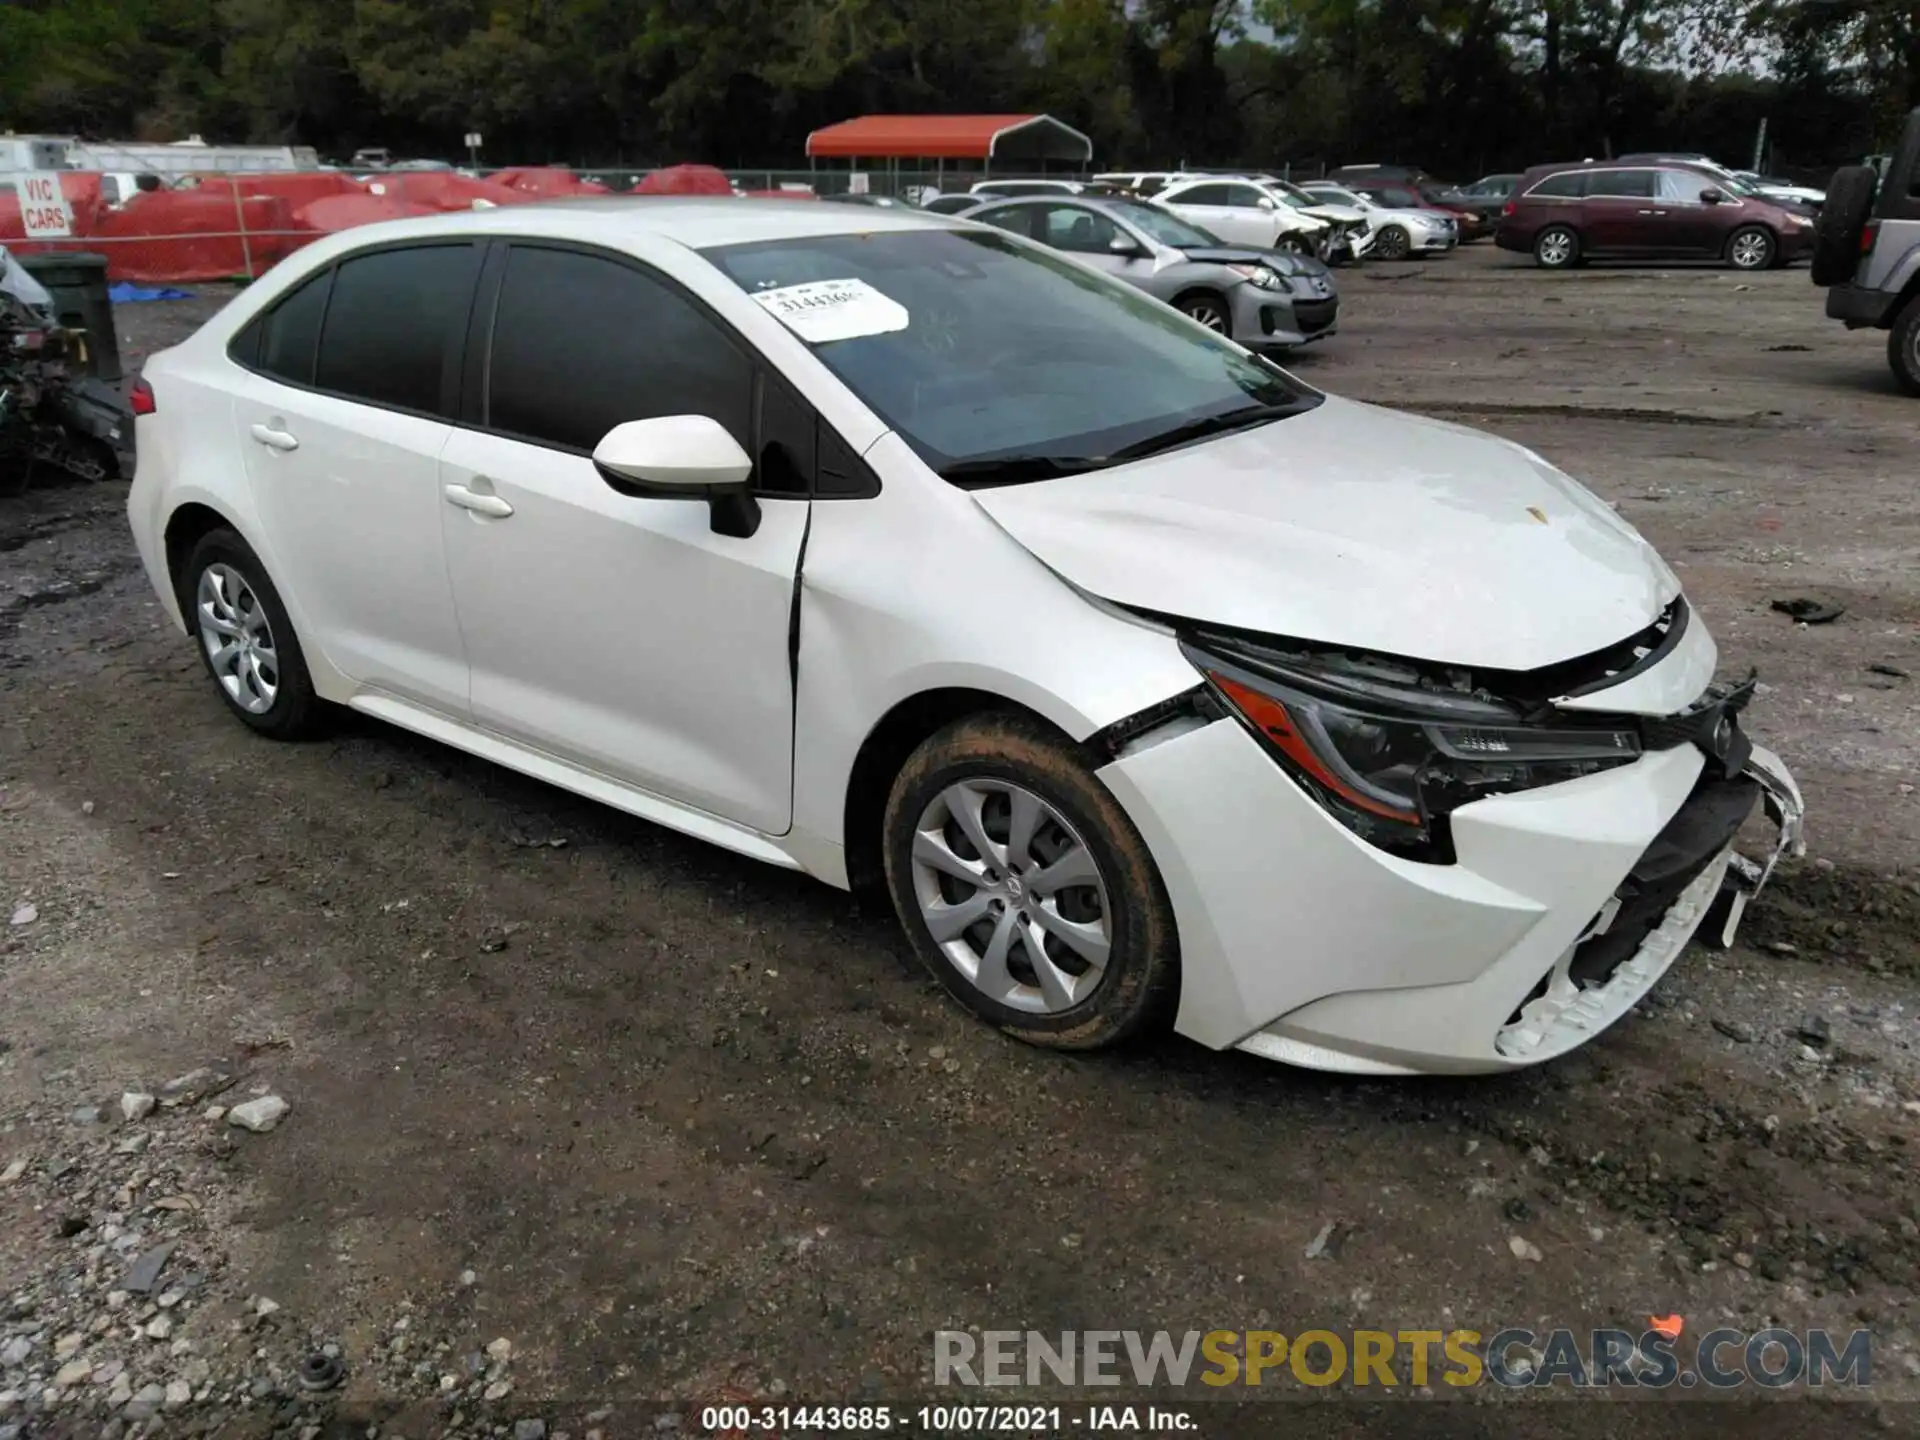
{"points": [[1699, 831]]}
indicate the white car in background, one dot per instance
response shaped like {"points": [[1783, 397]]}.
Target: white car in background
{"points": [[1154, 685], [1397, 234], [1245, 212]]}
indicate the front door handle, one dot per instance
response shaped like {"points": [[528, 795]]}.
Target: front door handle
{"points": [[274, 438], [480, 504]]}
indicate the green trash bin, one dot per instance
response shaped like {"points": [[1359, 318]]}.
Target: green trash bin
{"points": [[78, 283]]}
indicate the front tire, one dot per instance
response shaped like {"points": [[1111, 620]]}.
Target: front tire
{"points": [[1026, 889], [1556, 248], [1393, 243], [246, 640], [1903, 347], [1751, 247], [1210, 310]]}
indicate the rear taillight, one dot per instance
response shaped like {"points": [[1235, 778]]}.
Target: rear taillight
{"points": [[141, 398], [1868, 236], [1508, 208]]}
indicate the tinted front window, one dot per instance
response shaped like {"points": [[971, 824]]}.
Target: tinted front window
{"points": [[392, 324], [290, 332], [1683, 185], [1006, 350], [1244, 197], [1627, 184], [1068, 227], [1567, 186], [582, 344], [1015, 218], [1162, 225], [1203, 195]]}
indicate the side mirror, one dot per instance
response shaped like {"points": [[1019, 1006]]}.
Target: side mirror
{"points": [[1267, 202], [682, 457], [1713, 195], [1123, 245]]}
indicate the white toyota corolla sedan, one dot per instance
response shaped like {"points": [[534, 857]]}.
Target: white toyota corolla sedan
{"points": [[1154, 685]]}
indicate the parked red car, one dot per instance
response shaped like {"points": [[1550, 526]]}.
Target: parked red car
{"points": [[1596, 210]]}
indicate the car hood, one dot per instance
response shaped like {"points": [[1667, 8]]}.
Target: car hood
{"points": [[1339, 214], [1355, 526]]}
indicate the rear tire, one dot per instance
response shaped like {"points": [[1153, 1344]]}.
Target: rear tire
{"points": [[1058, 865], [1556, 248], [1903, 347], [246, 640], [1843, 217]]}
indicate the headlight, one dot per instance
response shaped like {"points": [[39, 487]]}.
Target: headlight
{"points": [[1259, 275], [1391, 759]]}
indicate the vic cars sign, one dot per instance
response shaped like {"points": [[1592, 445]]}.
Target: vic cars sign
{"points": [[43, 206]]}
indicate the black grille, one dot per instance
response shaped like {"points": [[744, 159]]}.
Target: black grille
{"points": [[1700, 830], [1313, 316]]}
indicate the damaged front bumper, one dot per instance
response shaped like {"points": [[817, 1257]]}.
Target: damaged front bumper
{"points": [[1301, 943], [1781, 797]]}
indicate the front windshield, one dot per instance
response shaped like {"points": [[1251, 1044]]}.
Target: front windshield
{"points": [[1162, 225], [1343, 197], [1002, 358], [1292, 194]]}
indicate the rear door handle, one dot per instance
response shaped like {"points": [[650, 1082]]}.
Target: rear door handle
{"points": [[274, 439], [480, 504]]}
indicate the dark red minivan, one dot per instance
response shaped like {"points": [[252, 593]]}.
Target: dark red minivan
{"points": [[1605, 210]]}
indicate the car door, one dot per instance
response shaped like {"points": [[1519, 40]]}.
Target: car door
{"points": [[342, 415], [1208, 206], [1693, 227], [1621, 215], [1086, 234], [617, 631], [1256, 220]]}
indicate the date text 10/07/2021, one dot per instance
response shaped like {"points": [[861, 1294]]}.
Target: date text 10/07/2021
{"points": [[742, 1420]]}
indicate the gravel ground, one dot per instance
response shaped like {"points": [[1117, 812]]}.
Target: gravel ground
{"points": [[589, 1125]]}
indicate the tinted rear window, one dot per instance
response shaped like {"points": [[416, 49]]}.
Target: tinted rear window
{"points": [[1570, 185], [392, 323], [290, 332], [1630, 184]]}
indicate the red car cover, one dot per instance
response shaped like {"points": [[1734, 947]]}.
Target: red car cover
{"points": [[685, 180], [548, 182]]}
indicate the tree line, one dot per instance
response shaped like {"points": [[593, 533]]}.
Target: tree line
{"points": [[1460, 86]]}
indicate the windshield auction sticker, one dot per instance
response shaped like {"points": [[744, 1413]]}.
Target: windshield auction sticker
{"points": [[826, 310]]}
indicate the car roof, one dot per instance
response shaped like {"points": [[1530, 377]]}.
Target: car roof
{"points": [[697, 222]]}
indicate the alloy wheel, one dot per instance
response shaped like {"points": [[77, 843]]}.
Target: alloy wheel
{"points": [[1393, 243], [1556, 248], [1012, 895], [1751, 250], [1208, 314], [239, 640]]}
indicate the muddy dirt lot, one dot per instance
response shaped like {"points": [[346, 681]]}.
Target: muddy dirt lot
{"points": [[675, 1126]]}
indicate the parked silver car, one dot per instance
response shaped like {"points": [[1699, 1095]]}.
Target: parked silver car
{"points": [[1264, 299], [1398, 234]]}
